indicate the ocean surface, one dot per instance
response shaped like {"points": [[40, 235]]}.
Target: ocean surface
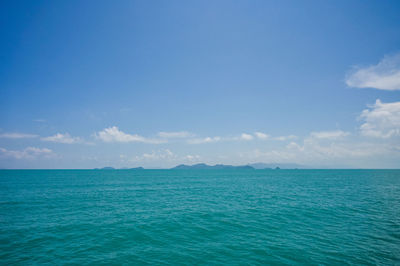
{"points": [[200, 217]]}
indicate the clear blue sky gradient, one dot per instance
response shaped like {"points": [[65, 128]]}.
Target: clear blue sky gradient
{"points": [[213, 68]]}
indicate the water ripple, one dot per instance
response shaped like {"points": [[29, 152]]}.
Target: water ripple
{"points": [[293, 217]]}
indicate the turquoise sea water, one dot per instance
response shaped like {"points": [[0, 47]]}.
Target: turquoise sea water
{"points": [[230, 217]]}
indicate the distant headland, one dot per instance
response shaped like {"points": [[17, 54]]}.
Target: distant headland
{"points": [[217, 166], [220, 166], [124, 168]]}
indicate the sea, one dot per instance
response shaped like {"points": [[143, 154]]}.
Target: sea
{"points": [[200, 217]]}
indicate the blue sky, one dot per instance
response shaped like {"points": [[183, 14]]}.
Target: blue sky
{"points": [[87, 84]]}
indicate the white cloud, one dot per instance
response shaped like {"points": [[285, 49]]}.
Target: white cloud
{"points": [[336, 134], [27, 153], [165, 154], [313, 152], [383, 76], [261, 135], [294, 146], [204, 140], [163, 157], [340, 150], [245, 136], [63, 138], [284, 138], [269, 156], [192, 158], [178, 134], [157, 155], [113, 134], [381, 120], [17, 136], [241, 137]]}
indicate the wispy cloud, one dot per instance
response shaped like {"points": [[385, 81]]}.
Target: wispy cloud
{"points": [[383, 76], [177, 134], [63, 138], [381, 120], [192, 158], [17, 136], [113, 134], [204, 140], [156, 155], [27, 153], [261, 135], [284, 138], [313, 149], [246, 136], [241, 137], [164, 155], [336, 134], [315, 152]]}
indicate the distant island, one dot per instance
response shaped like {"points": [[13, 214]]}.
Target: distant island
{"points": [[217, 166], [248, 166], [124, 168], [253, 166], [278, 165]]}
